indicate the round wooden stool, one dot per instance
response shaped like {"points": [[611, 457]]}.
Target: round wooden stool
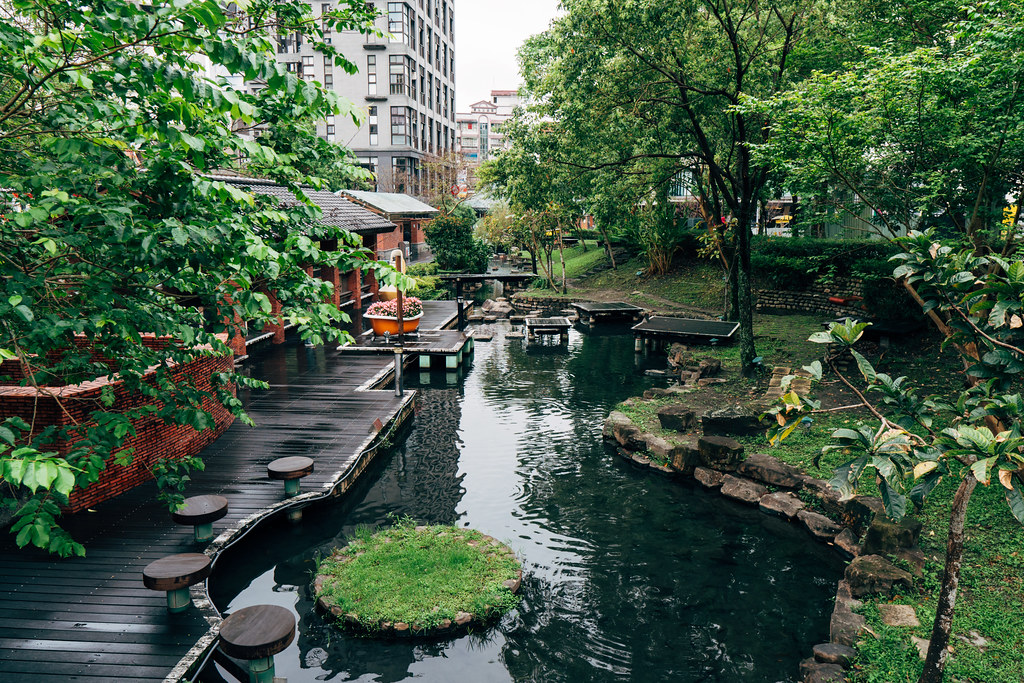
{"points": [[200, 512], [290, 470], [256, 634], [174, 574]]}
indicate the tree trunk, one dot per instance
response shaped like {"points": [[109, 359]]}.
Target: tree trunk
{"points": [[741, 264], [732, 310], [561, 256], [938, 652]]}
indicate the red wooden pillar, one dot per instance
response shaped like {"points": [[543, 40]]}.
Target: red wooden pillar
{"points": [[277, 327]]}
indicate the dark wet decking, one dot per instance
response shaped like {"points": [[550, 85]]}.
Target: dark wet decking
{"points": [[91, 619]]}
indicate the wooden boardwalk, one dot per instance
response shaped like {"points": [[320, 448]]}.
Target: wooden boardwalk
{"points": [[91, 619]]}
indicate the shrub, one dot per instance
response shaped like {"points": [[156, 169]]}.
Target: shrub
{"points": [[455, 248]]}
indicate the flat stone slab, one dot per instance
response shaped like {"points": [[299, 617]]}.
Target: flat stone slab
{"points": [[743, 490], [781, 504], [847, 543], [870, 574], [898, 615], [769, 470], [922, 646], [834, 653], [814, 671], [720, 452], [708, 478], [820, 526]]}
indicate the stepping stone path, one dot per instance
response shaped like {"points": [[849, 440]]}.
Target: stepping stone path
{"points": [[898, 615], [801, 383]]}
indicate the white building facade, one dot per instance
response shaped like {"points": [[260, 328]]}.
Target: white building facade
{"points": [[405, 87], [480, 132]]}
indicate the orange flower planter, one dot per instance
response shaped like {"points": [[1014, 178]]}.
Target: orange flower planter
{"points": [[382, 325]]}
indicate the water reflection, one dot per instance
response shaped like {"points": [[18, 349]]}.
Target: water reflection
{"points": [[628, 576]]}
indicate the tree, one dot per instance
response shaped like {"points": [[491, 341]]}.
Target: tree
{"points": [[455, 248], [313, 156], [981, 298], [631, 81], [109, 229], [924, 132], [543, 194]]}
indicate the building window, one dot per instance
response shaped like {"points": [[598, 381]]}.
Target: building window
{"points": [[424, 87], [328, 80], [400, 125], [371, 74], [328, 62], [400, 22], [374, 127], [399, 73], [282, 44]]}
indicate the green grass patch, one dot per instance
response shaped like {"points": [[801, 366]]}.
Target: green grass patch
{"points": [[419, 575]]}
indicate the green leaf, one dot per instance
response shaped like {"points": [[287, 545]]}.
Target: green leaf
{"points": [[865, 367], [1015, 499], [821, 338]]}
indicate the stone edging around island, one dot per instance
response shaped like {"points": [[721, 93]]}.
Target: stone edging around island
{"points": [[718, 463], [463, 622]]}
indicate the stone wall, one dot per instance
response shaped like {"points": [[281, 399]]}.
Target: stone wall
{"points": [[815, 302], [544, 303], [69, 405]]}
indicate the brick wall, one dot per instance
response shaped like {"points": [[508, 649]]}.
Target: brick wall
{"points": [[154, 439]]}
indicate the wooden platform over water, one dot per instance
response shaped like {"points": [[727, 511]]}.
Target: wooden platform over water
{"points": [[687, 330], [596, 311], [92, 619], [450, 345]]}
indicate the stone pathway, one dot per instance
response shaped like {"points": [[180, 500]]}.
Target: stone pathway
{"points": [[801, 383]]}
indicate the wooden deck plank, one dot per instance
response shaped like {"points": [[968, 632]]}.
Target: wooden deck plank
{"points": [[92, 616]]}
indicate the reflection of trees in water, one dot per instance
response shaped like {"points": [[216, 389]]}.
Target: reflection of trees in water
{"points": [[423, 479]]}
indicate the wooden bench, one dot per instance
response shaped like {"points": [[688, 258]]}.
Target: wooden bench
{"points": [[256, 634], [174, 574], [290, 470], [200, 512]]}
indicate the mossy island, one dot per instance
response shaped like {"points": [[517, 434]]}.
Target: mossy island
{"points": [[423, 581]]}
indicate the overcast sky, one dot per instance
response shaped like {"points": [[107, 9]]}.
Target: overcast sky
{"points": [[488, 34]]}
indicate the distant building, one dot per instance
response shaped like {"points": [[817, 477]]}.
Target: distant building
{"points": [[405, 87], [480, 132]]}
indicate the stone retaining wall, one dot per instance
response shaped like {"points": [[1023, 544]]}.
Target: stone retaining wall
{"points": [[521, 301]]}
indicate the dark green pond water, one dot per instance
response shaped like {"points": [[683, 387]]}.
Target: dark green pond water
{"points": [[628, 576]]}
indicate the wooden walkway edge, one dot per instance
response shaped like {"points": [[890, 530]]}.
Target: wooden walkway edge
{"points": [[92, 619]]}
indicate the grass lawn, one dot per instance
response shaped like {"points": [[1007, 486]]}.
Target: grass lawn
{"points": [[419, 575]]}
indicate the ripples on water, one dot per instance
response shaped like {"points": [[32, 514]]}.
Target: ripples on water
{"points": [[628, 576]]}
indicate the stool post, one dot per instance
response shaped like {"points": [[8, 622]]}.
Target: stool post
{"points": [[178, 600], [261, 670], [203, 532], [291, 487]]}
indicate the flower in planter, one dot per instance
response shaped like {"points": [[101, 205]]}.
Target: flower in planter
{"points": [[411, 307]]}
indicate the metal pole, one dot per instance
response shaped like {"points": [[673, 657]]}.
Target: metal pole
{"points": [[398, 371], [458, 303], [401, 333]]}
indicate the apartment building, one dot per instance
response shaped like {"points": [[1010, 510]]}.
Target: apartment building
{"points": [[479, 132], [405, 87]]}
